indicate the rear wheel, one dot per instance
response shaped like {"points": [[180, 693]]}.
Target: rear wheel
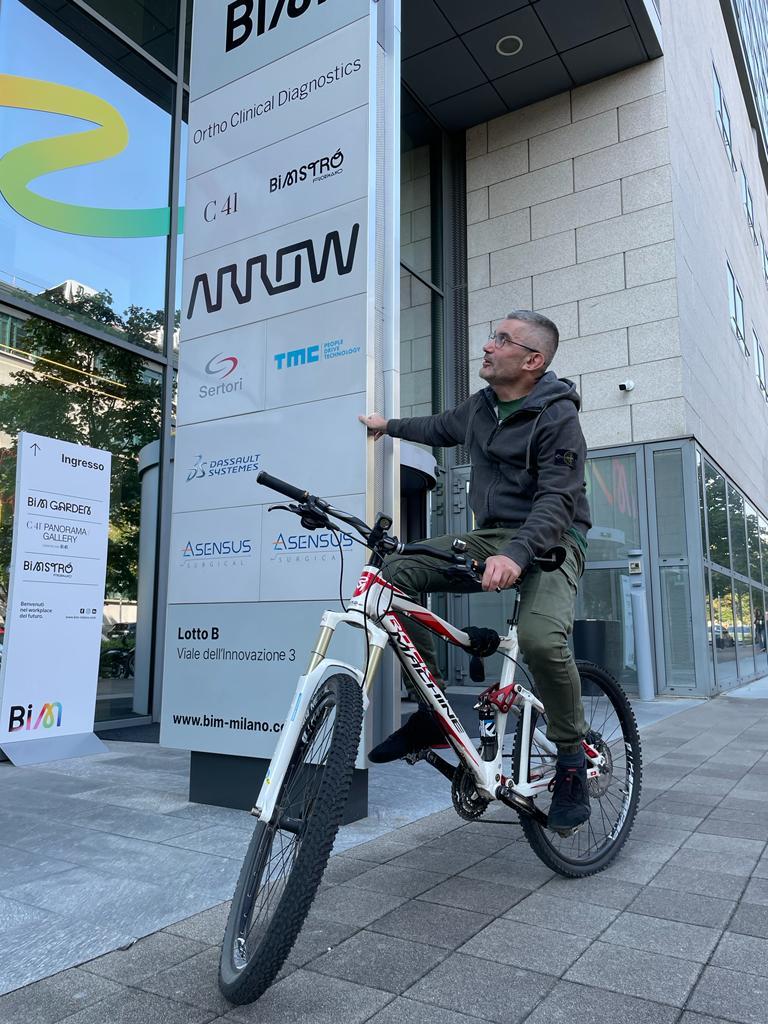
{"points": [[613, 795], [287, 856]]}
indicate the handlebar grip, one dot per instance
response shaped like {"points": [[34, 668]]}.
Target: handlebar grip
{"points": [[281, 487]]}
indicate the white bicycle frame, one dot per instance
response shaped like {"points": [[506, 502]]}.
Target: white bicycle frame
{"points": [[374, 607]]}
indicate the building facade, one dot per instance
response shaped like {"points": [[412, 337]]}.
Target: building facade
{"points": [[596, 161]]}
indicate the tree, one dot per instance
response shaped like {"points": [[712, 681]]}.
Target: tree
{"points": [[87, 392]]}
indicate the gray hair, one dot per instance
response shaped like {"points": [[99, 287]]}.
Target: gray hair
{"points": [[545, 330]]}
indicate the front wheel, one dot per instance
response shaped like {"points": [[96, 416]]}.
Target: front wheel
{"points": [[287, 856], [613, 795]]}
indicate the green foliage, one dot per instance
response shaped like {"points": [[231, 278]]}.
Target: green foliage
{"points": [[87, 392]]}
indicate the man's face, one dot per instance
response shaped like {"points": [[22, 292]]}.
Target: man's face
{"points": [[511, 354]]}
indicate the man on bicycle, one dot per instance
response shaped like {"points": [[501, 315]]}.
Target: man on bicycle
{"points": [[528, 493]]}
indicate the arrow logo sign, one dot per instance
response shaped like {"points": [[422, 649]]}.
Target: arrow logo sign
{"points": [[35, 448]]}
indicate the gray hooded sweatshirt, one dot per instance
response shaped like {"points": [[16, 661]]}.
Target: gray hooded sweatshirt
{"points": [[527, 471]]}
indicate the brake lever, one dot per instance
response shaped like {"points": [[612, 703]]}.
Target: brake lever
{"points": [[311, 518]]}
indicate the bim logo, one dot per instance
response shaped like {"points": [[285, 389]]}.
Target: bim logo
{"points": [[22, 717], [291, 264], [223, 467], [216, 548], [315, 353], [221, 366]]}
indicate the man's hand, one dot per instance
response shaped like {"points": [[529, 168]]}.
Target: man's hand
{"points": [[377, 425], [500, 572]]}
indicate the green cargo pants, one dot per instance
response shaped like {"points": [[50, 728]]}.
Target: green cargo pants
{"points": [[547, 602]]}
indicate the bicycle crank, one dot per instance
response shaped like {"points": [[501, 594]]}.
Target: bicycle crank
{"points": [[521, 804]]}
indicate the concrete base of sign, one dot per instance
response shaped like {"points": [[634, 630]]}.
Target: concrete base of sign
{"points": [[229, 781], [53, 748]]}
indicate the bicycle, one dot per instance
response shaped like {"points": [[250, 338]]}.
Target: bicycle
{"points": [[302, 799]]}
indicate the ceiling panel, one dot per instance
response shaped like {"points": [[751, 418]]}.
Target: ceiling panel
{"points": [[423, 26], [469, 108], [604, 56], [529, 85], [443, 71], [464, 14], [570, 24], [524, 24]]}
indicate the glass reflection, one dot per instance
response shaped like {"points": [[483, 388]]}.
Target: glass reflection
{"points": [[738, 531], [85, 170], [744, 628], [759, 630], [717, 516], [722, 630], [603, 629], [676, 625], [612, 494], [59, 383]]}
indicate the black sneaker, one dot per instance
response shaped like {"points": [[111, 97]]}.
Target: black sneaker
{"points": [[570, 798], [420, 731]]}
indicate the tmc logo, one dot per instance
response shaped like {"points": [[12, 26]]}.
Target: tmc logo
{"points": [[289, 262], [23, 718], [298, 357], [221, 366]]}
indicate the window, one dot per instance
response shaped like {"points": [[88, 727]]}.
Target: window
{"points": [[736, 306], [723, 118], [759, 363], [765, 258], [746, 198]]}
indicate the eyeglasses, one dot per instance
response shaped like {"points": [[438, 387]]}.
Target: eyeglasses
{"points": [[500, 340]]}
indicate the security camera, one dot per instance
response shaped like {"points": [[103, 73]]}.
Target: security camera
{"points": [[626, 385]]}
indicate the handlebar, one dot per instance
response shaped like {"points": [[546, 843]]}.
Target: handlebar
{"points": [[378, 537]]}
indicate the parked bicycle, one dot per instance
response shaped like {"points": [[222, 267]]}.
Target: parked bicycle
{"points": [[301, 803]]}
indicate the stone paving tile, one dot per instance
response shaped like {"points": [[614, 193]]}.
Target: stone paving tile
{"points": [[135, 1007], [568, 1002], [409, 1011], [21, 865], [441, 856], [639, 862], [342, 869], [705, 883], [144, 957], [501, 867], [757, 891], [14, 914], [740, 865], [222, 840], [379, 961], [481, 988], [725, 844], [605, 892], [687, 907], [195, 982], [348, 905], [737, 829], [651, 816], [55, 998], [476, 895], [583, 919], [687, 941], [665, 979], [306, 996], [431, 923], [750, 919], [206, 928], [735, 809], [731, 995], [395, 880], [698, 1018], [746, 953], [524, 945], [317, 937], [657, 835], [379, 851]]}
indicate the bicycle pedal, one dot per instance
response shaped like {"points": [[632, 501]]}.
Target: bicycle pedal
{"points": [[420, 755], [565, 832]]}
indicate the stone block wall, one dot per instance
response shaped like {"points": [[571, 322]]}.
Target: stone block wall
{"points": [[570, 212]]}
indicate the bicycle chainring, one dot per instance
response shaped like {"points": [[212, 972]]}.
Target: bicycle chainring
{"points": [[467, 802]]}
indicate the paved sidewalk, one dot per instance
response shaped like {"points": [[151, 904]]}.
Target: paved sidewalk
{"points": [[445, 922]]}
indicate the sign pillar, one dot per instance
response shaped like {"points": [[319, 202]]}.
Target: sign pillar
{"points": [[290, 290], [52, 635]]}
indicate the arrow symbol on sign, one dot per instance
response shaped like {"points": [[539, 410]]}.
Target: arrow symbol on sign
{"points": [[35, 448]]}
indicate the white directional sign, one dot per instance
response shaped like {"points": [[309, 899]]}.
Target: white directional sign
{"points": [[281, 304], [56, 600]]}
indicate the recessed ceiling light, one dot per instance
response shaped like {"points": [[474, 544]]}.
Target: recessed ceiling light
{"points": [[509, 46]]}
